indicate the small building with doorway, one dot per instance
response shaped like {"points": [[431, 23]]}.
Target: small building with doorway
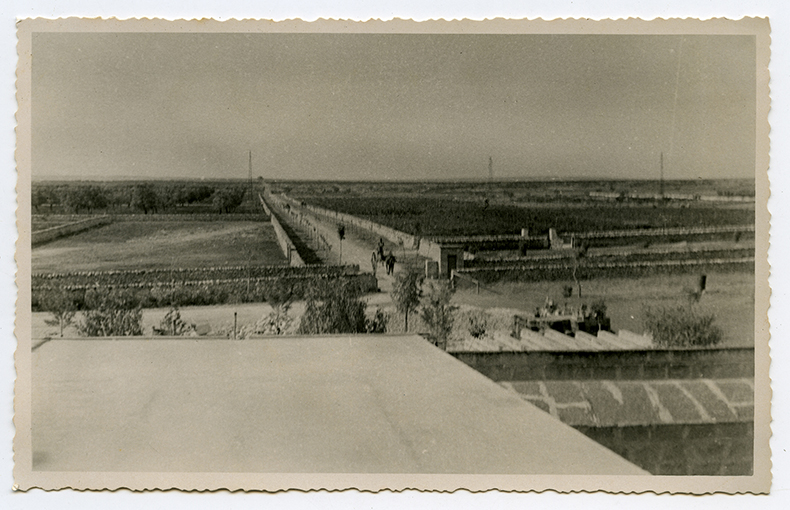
{"points": [[448, 257], [451, 257]]}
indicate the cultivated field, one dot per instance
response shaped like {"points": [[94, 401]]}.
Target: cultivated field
{"points": [[149, 245], [443, 209]]}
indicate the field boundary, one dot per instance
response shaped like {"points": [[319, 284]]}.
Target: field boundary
{"points": [[283, 240], [395, 236], [175, 283], [557, 255], [550, 272], [52, 233], [284, 271]]}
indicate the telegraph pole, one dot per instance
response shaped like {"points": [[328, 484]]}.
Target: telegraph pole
{"points": [[661, 182], [250, 167], [490, 169]]}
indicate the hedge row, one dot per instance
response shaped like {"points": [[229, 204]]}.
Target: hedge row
{"points": [[205, 293], [586, 271], [150, 277]]}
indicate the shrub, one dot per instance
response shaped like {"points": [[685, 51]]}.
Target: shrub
{"points": [[332, 309], [111, 313], [172, 324], [278, 322], [436, 311], [406, 293], [681, 326], [61, 305], [477, 323], [379, 322]]}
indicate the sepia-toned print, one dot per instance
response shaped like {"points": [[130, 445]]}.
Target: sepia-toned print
{"points": [[513, 255]]}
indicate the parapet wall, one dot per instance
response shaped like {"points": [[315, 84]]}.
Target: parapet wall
{"points": [[612, 365], [50, 234], [395, 236], [682, 449], [286, 244]]}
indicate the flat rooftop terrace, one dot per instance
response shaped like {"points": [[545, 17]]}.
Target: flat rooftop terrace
{"points": [[337, 404]]}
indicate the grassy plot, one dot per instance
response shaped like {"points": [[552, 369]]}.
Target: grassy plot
{"points": [[140, 245]]}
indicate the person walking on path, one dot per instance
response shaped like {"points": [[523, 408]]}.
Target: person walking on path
{"points": [[374, 261], [390, 263], [380, 249]]}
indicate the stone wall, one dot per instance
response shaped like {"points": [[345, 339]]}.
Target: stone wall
{"points": [[286, 244], [395, 236], [612, 365], [685, 449], [50, 234]]}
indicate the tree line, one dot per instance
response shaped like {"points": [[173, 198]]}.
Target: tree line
{"points": [[143, 198]]}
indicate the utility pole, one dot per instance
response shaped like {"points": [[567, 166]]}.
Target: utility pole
{"points": [[490, 169], [250, 167], [661, 182]]}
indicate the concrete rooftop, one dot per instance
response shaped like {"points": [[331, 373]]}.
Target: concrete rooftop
{"points": [[340, 404]]}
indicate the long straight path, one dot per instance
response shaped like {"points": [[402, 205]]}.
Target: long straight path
{"points": [[357, 247]]}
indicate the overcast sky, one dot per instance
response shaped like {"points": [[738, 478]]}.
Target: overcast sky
{"points": [[330, 106]]}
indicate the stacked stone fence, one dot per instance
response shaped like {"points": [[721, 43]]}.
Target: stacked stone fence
{"points": [[609, 195], [163, 292], [155, 276], [586, 271], [50, 234], [360, 277], [661, 232], [283, 240], [648, 364], [592, 238], [621, 255]]}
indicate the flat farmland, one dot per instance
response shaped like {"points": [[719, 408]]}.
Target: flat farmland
{"points": [[442, 216], [161, 245]]}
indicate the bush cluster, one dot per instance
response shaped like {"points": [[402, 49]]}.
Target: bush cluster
{"points": [[681, 326]]}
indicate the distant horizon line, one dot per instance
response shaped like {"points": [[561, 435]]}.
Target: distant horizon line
{"points": [[415, 180]]}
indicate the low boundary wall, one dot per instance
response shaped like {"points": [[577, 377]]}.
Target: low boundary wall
{"points": [[612, 365], [395, 236], [190, 217], [286, 244], [50, 234], [558, 271], [682, 449]]}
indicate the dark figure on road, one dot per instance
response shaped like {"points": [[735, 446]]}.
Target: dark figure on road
{"points": [[374, 261], [380, 249], [390, 263]]}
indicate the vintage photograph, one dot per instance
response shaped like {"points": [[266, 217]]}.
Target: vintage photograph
{"points": [[512, 255]]}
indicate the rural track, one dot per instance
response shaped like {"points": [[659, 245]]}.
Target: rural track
{"points": [[358, 246]]}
